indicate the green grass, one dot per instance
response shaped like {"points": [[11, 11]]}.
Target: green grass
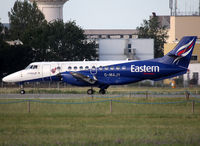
{"points": [[93, 124]]}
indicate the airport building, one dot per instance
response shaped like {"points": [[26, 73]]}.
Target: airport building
{"points": [[121, 44], [122, 49]]}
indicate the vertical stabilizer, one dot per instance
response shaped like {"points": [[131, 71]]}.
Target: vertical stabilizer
{"points": [[182, 53]]}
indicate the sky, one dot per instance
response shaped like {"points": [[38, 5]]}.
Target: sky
{"points": [[104, 14]]}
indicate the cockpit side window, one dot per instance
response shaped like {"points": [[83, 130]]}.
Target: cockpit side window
{"points": [[27, 67], [34, 67]]}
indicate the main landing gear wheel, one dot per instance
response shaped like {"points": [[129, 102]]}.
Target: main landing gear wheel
{"points": [[22, 91], [90, 91], [102, 91]]}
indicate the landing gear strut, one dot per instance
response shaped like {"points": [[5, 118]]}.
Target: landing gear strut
{"points": [[22, 91]]}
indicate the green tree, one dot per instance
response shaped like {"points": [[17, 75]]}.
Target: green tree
{"points": [[38, 39], [24, 16], [12, 58], [3, 45], [68, 42], [153, 29], [1, 35], [59, 41]]}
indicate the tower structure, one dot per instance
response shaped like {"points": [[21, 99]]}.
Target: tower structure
{"points": [[52, 9]]}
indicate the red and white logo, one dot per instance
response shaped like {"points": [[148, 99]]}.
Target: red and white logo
{"points": [[53, 70], [185, 50]]}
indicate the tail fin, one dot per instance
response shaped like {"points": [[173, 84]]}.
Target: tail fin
{"points": [[182, 53]]}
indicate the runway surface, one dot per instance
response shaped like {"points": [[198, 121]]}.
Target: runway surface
{"points": [[79, 96]]}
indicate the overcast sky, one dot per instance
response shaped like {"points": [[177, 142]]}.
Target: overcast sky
{"points": [[104, 14]]}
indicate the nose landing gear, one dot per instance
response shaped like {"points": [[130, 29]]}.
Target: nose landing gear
{"points": [[22, 91]]}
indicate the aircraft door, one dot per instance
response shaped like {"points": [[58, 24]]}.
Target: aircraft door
{"points": [[46, 72], [93, 69]]}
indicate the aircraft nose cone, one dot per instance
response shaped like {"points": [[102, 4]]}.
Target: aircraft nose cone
{"points": [[6, 79], [14, 77]]}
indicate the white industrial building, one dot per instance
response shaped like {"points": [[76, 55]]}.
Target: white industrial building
{"points": [[122, 49], [120, 44], [192, 74]]}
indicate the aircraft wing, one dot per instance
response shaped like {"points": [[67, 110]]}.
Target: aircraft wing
{"points": [[84, 77]]}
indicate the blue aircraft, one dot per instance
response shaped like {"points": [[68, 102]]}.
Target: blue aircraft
{"points": [[102, 74]]}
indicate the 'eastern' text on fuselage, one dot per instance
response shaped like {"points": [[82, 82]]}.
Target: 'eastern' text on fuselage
{"points": [[144, 68]]}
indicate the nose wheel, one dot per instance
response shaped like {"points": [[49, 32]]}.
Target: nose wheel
{"points": [[22, 92]]}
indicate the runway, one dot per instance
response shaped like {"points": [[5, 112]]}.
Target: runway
{"points": [[79, 96]]}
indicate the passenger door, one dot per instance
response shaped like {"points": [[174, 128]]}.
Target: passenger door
{"points": [[93, 69]]}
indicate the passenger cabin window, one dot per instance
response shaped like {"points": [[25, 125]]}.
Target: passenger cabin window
{"points": [[123, 67], [75, 67], [58, 67], [118, 68], [100, 68], [112, 68], [69, 68], [106, 68], [87, 68], [93, 68], [81, 68]]}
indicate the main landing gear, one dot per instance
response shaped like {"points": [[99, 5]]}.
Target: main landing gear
{"points": [[102, 91], [22, 91], [91, 91]]}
